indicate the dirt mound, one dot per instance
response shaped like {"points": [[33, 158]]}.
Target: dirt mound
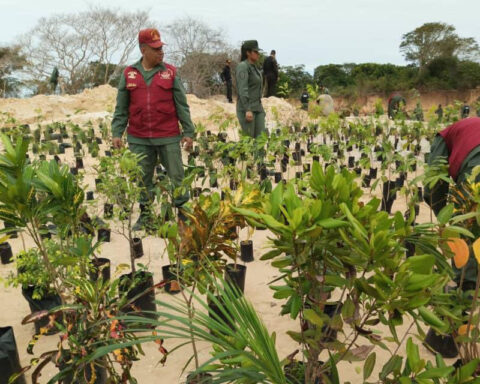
{"points": [[100, 102]]}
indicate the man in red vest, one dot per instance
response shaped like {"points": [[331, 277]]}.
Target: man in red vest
{"points": [[460, 145], [151, 102]]}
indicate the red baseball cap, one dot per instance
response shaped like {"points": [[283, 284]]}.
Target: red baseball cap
{"points": [[151, 37]]}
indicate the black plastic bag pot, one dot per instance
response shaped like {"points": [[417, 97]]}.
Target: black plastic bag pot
{"points": [[47, 303], [79, 163], [278, 177], [444, 345], [12, 233], [137, 247], [366, 181], [351, 161], [236, 276], [85, 376], [9, 360], [104, 235], [213, 309], [316, 158], [286, 143], [6, 254], [388, 195], [101, 269], [107, 210], [61, 150], [373, 173], [295, 373], [331, 310], [199, 378], [246, 251], [197, 191], [233, 185], [89, 195], [171, 283], [74, 171], [298, 175], [143, 287], [306, 167]]}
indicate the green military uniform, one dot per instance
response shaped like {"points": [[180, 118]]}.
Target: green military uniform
{"points": [[249, 88], [437, 197], [54, 79], [418, 112], [165, 149]]}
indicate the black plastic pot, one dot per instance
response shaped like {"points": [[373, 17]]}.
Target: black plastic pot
{"points": [[9, 360], [233, 185], [85, 376], [298, 175], [35, 305], [444, 345], [12, 234], [199, 378], [89, 195], [137, 247], [172, 286], [197, 191], [366, 181], [74, 171], [331, 310], [6, 254], [246, 251], [236, 275], [101, 269], [79, 162], [278, 177], [61, 150], [316, 158], [108, 153], [213, 310], [104, 235], [107, 210], [306, 167], [373, 173], [295, 373], [142, 285], [351, 161], [388, 195]]}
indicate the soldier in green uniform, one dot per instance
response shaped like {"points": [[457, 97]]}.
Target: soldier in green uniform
{"points": [[151, 101], [250, 112], [418, 112], [54, 79]]}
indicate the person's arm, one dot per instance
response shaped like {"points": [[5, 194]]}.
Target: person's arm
{"points": [[120, 116], [436, 198], [183, 110], [222, 75], [242, 86]]}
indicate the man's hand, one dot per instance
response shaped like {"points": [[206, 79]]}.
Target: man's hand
{"points": [[117, 142], [249, 116], [187, 143]]}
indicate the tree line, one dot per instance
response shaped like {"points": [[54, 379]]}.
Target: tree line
{"points": [[91, 48]]}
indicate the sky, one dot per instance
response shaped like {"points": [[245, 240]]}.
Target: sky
{"points": [[309, 32]]}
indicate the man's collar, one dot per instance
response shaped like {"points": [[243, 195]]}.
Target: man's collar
{"points": [[138, 65]]}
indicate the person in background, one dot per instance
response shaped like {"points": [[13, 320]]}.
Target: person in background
{"points": [[151, 102], [465, 110], [270, 71], [250, 112], [323, 90], [226, 77], [459, 143], [54, 80], [439, 113], [418, 112], [304, 98]]}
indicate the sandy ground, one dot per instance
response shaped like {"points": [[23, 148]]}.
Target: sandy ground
{"points": [[258, 275]]}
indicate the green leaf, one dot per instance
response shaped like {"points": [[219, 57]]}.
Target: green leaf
{"points": [[331, 223], [467, 370], [422, 264], [445, 214], [413, 356], [436, 373], [430, 318], [394, 364], [312, 317], [369, 365]]}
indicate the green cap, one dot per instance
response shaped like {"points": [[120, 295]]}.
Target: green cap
{"points": [[250, 45]]}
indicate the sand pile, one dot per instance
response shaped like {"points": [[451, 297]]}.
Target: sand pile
{"points": [[100, 102]]}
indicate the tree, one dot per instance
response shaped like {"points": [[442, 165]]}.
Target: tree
{"points": [[435, 40], [296, 77], [73, 41], [200, 53], [11, 61]]}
